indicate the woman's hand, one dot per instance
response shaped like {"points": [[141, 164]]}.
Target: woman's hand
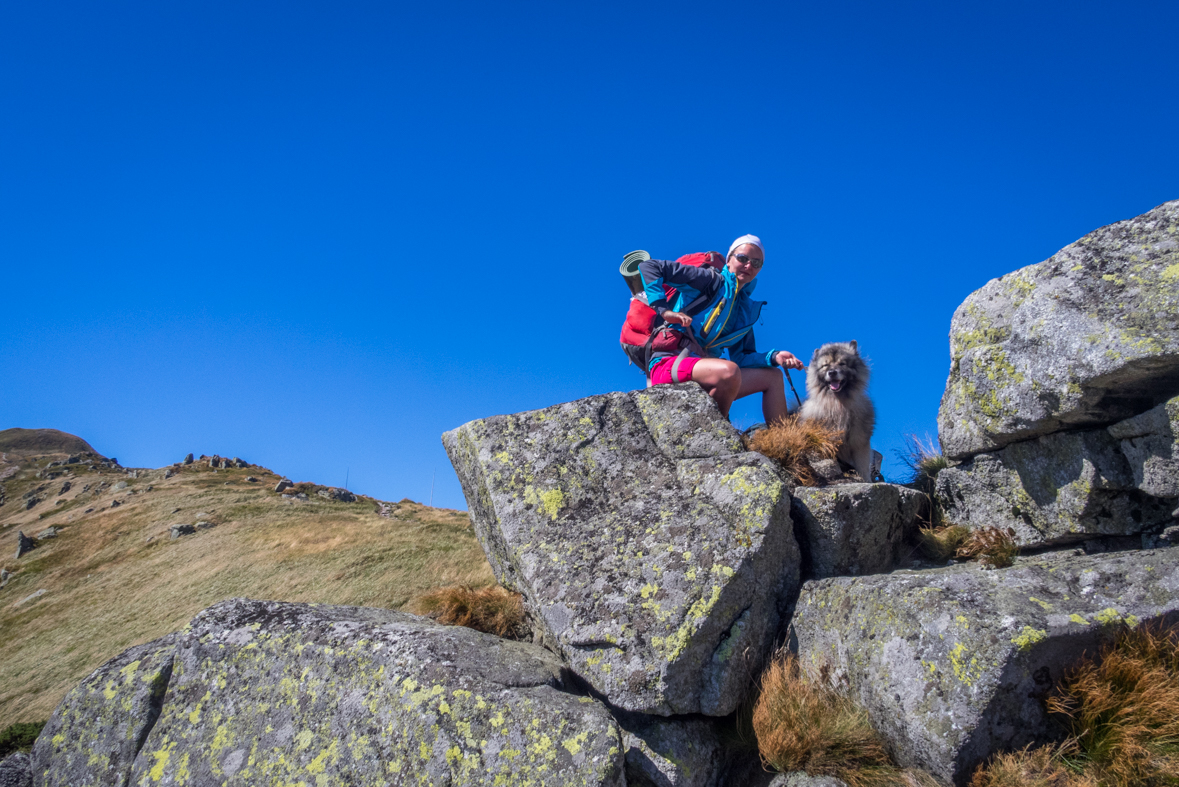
{"points": [[682, 319], [784, 359]]}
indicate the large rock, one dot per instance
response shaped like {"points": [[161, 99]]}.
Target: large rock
{"points": [[653, 552], [1089, 336], [16, 770], [97, 730], [1150, 443], [853, 528], [954, 663], [270, 693], [1063, 487], [662, 752]]}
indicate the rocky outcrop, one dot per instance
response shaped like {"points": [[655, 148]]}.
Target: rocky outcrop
{"points": [[853, 528], [16, 770], [98, 729], [1150, 443], [664, 752], [266, 692], [653, 552], [1087, 337], [954, 663], [1068, 486]]}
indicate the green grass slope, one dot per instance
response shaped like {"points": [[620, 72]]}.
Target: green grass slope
{"points": [[113, 576]]}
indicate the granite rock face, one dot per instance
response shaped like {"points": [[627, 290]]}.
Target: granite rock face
{"points": [[663, 752], [655, 554], [953, 664], [1150, 443], [269, 692], [96, 731], [853, 529], [1063, 487], [16, 770], [1088, 337]]}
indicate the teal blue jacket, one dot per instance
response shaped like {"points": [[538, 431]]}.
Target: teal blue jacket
{"points": [[723, 314]]}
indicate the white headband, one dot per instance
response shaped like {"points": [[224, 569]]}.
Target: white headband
{"points": [[752, 239]]}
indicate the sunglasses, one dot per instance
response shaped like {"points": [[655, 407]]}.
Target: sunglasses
{"points": [[745, 259]]}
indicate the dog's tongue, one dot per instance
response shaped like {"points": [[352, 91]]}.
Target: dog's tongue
{"points": [[835, 386]]}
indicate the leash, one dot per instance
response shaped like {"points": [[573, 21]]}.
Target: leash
{"points": [[787, 371]]}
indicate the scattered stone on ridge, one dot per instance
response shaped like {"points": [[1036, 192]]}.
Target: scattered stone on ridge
{"points": [[853, 528], [24, 544], [1089, 336], [182, 530], [264, 692], [666, 751], [283, 485], [32, 501], [339, 495], [952, 663], [1063, 487], [250, 479], [115, 504], [49, 532], [653, 552], [188, 459], [206, 525], [65, 487]]}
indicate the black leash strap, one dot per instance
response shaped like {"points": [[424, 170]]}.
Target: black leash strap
{"points": [[787, 371]]}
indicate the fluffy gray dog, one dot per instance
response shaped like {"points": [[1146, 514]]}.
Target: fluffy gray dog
{"points": [[836, 383]]}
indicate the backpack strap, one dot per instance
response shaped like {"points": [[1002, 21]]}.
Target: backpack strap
{"points": [[675, 365]]}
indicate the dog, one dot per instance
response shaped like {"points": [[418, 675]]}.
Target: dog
{"points": [[836, 384]]}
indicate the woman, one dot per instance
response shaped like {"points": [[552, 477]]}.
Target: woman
{"points": [[715, 312]]}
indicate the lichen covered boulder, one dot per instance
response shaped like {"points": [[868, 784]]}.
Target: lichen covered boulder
{"points": [[653, 552], [99, 727], [270, 692], [1088, 337], [955, 663], [1063, 487], [665, 752], [1150, 443], [853, 529]]}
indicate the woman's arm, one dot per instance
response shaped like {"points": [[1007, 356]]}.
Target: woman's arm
{"points": [[690, 280], [746, 356]]}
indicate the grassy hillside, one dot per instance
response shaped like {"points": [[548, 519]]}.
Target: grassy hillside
{"points": [[114, 577]]}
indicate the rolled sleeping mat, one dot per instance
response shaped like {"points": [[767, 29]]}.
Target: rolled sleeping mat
{"points": [[630, 270]]}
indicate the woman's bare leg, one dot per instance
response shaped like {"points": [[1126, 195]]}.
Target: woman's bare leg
{"points": [[767, 382], [720, 379]]}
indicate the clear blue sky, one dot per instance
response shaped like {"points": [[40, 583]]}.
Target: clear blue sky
{"points": [[318, 235]]}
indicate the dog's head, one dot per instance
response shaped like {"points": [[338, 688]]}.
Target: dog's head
{"points": [[837, 368]]}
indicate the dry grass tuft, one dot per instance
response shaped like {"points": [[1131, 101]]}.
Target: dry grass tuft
{"points": [[994, 547], [493, 610], [942, 543], [804, 725], [1124, 707], [924, 460], [1028, 767], [789, 442]]}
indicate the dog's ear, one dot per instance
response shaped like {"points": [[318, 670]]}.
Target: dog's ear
{"points": [[854, 346]]}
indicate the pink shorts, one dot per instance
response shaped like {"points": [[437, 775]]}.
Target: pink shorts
{"points": [[661, 374]]}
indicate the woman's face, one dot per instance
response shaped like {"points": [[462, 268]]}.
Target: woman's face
{"points": [[746, 271]]}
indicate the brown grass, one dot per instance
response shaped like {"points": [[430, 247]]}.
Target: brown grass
{"points": [[494, 610], [942, 543], [1028, 767], [992, 546], [804, 725], [1122, 713], [924, 460], [789, 442], [109, 587], [1123, 707]]}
